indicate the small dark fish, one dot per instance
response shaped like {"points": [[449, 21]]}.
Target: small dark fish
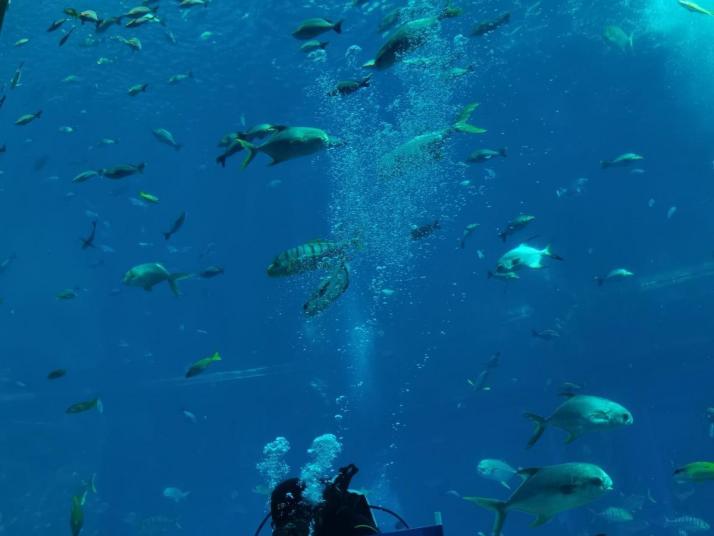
{"points": [[425, 230], [56, 24], [40, 163], [87, 405], [347, 87], [488, 26], [66, 36], [212, 271], [176, 226], [56, 374], [89, 241], [3, 148], [104, 25], [120, 172]]}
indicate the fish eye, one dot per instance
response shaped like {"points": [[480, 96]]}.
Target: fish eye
{"points": [[626, 417]]}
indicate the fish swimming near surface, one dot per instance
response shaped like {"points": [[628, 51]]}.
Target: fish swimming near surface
{"points": [[547, 491], [148, 275], [330, 289], [580, 414]]}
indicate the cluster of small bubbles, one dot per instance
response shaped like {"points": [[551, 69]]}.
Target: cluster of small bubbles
{"points": [[324, 450], [273, 468], [352, 56]]}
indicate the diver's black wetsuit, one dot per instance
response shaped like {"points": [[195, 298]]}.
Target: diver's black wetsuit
{"points": [[342, 512]]}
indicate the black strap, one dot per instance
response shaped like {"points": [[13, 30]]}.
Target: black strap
{"points": [[390, 512], [262, 524]]}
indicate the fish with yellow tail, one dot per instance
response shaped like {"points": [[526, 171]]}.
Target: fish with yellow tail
{"points": [[548, 491], [199, 366]]}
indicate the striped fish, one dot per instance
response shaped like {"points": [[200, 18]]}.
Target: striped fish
{"points": [[313, 255], [330, 289]]}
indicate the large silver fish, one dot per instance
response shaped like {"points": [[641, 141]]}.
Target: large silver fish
{"points": [[547, 491]]}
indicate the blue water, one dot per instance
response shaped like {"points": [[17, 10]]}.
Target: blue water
{"points": [[387, 374]]}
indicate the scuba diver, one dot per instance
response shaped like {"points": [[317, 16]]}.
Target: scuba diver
{"points": [[340, 513]]}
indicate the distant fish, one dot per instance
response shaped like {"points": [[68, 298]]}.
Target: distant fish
{"points": [[56, 374], [311, 28], [176, 226], [89, 241], [81, 407], [199, 366], [545, 334], [212, 271], [175, 494], [468, 231], [624, 160], [488, 26], [423, 231]]}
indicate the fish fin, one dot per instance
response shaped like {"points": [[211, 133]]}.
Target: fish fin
{"points": [[572, 436], [371, 64], [599, 417], [542, 519], [338, 26], [216, 357], [250, 148], [174, 279], [540, 424], [461, 124], [527, 472], [505, 485], [499, 507]]}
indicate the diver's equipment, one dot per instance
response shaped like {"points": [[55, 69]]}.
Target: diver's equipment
{"points": [[292, 514]]}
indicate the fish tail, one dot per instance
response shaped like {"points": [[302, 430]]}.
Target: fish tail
{"points": [[548, 252], [540, 424], [461, 124], [604, 164], [599, 280], [250, 148], [140, 167], [499, 507], [503, 151], [338, 26], [175, 278]]}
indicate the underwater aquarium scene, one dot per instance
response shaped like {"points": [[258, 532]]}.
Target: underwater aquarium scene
{"points": [[356, 267]]}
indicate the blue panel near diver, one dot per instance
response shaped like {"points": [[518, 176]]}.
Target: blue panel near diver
{"points": [[436, 530]]}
